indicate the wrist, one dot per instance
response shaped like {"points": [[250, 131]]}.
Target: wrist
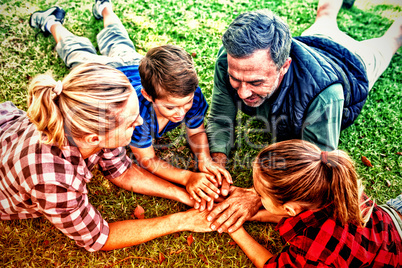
{"points": [[219, 158], [203, 157], [187, 176], [180, 221]]}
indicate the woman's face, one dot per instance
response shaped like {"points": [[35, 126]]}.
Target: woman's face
{"points": [[130, 118]]}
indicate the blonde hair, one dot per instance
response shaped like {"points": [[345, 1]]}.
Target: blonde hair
{"points": [[292, 170], [92, 96]]}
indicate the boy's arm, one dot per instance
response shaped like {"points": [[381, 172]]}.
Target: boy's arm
{"points": [[147, 158], [197, 138], [141, 181], [254, 251], [192, 180]]}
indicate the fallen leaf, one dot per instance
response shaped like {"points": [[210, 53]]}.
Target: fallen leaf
{"points": [[190, 240], [181, 148], [366, 161], [194, 54], [176, 252], [204, 259], [388, 183], [161, 257], [139, 212]]}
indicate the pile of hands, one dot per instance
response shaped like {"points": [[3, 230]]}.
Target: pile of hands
{"points": [[218, 205]]}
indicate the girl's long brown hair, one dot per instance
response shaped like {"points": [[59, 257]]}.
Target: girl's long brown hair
{"points": [[292, 170]]}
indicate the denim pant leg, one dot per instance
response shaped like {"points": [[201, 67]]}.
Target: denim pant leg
{"points": [[391, 207], [115, 43], [74, 50], [396, 203]]}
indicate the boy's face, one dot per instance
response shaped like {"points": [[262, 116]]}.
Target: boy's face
{"points": [[173, 108]]}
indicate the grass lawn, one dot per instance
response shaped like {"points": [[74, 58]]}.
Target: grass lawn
{"points": [[197, 26]]}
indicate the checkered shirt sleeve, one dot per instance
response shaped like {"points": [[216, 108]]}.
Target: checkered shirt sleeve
{"points": [[38, 179]]}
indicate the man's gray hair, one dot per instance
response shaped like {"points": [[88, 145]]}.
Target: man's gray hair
{"points": [[257, 30]]}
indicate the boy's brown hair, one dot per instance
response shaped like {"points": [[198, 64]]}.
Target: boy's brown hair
{"points": [[168, 70]]}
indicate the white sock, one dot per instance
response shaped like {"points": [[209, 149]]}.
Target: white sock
{"points": [[102, 7], [50, 23]]}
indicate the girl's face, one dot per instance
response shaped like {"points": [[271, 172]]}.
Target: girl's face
{"points": [[269, 203]]}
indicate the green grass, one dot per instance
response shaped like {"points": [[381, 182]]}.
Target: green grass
{"points": [[197, 26]]}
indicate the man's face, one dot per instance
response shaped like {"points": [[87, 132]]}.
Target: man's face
{"points": [[255, 77]]}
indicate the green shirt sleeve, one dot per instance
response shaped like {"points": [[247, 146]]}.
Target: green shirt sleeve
{"points": [[223, 110], [323, 123]]}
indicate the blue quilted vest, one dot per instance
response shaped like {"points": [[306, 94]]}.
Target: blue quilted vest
{"points": [[316, 64]]}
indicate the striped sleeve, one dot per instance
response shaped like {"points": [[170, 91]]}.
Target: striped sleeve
{"points": [[195, 116]]}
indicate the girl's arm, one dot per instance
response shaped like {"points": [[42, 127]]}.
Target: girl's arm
{"points": [[264, 216], [254, 251]]}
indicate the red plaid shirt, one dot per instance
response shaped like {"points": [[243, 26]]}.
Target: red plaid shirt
{"points": [[38, 179], [314, 239]]}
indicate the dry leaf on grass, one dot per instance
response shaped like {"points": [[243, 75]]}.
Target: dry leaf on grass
{"points": [[190, 240], [366, 161], [161, 257], [139, 212]]}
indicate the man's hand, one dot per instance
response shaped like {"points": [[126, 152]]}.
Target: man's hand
{"points": [[239, 207], [221, 159], [208, 166]]}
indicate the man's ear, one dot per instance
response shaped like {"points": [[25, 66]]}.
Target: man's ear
{"points": [[146, 96], [286, 65]]}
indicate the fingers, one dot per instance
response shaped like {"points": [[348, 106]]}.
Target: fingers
{"points": [[225, 188], [229, 221], [217, 210], [203, 205], [210, 205], [219, 172], [211, 178], [227, 175], [233, 226]]}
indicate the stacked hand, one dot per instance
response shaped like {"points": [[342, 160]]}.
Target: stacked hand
{"points": [[218, 176]]}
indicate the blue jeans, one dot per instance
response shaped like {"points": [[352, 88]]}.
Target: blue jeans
{"points": [[115, 46], [391, 207]]}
